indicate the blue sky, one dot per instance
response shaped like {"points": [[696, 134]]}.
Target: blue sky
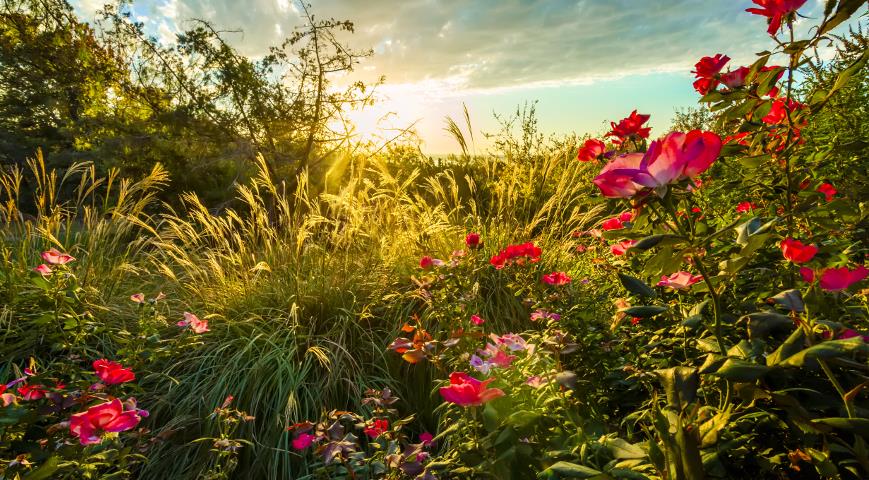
{"points": [[585, 61]]}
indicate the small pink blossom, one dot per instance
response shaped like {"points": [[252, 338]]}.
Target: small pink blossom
{"points": [[43, 270], [544, 315], [619, 249], [195, 324], [54, 257], [536, 381], [477, 320], [679, 280], [138, 297], [467, 391], [303, 441]]}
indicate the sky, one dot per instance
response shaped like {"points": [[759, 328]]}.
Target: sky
{"points": [[586, 62]]}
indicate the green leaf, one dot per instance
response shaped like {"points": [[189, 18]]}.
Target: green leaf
{"points": [[622, 449], [646, 243], [791, 299], [636, 286], [747, 229], [710, 428], [741, 370], [568, 470], [491, 417], [645, 311], [857, 426], [792, 345], [828, 349], [761, 324], [680, 384], [844, 12], [46, 470], [754, 161], [626, 474], [712, 363]]}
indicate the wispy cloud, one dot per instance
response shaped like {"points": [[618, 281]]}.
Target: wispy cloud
{"points": [[497, 43], [441, 52]]}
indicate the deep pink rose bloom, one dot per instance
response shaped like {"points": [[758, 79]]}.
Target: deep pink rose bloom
{"points": [[112, 373], [708, 67], [745, 207], [778, 112], [105, 417], [631, 126], [837, 279], [807, 274], [556, 278], [516, 254], [735, 78], [796, 251], [472, 240], [679, 280], [303, 441], [705, 85], [32, 392], [55, 257], [467, 391], [425, 438], [591, 150], [377, 428], [775, 11], [678, 156], [828, 190], [426, 262], [616, 180], [614, 223], [707, 72], [477, 320]]}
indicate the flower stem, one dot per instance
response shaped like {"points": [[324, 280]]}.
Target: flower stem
{"points": [[716, 306]]}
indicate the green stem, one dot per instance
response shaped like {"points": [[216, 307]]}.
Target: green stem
{"points": [[716, 305], [849, 407]]}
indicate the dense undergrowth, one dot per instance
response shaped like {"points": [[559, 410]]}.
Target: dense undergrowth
{"points": [[680, 308]]}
